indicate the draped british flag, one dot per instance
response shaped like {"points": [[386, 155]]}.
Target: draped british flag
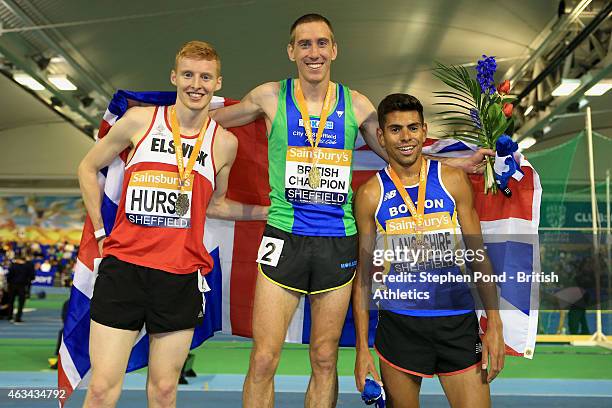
{"points": [[233, 246]]}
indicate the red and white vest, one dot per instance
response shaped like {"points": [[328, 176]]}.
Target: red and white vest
{"points": [[147, 230]]}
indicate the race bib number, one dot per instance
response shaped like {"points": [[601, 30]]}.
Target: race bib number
{"points": [[270, 251], [151, 199], [334, 167]]}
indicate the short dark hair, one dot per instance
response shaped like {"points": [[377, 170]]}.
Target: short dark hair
{"points": [[310, 18], [398, 102]]}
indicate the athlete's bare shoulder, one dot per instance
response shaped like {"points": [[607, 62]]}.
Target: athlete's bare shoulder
{"points": [[264, 93], [225, 147], [363, 108], [368, 195], [133, 124], [268, 89], [226, 138], [139, 114], [265, 98], [360, 101]]}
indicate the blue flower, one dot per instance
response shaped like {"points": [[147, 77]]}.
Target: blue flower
{"points": [[486, 69], [475, 118]]}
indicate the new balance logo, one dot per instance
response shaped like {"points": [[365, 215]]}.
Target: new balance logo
{"points": [[340, 113], [478, 348], [389, 195]]}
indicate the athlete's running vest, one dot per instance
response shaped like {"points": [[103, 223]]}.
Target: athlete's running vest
{"points": [[295, 207], [395, 231], [147, 231]]}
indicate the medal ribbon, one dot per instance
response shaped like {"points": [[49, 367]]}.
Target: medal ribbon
{"points": [[303, 108], [418, 214], [185, 172]]}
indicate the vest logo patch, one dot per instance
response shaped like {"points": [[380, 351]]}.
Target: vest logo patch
{"points": [[314, 124], [389, 195], [403, 208]]}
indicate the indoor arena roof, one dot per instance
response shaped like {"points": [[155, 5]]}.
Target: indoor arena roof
{"points": [[384, 47]]}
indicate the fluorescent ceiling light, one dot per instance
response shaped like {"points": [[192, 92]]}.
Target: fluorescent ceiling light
{"points": [[26, 80], [62, 82], [526, 143], [600, 88], [528, 110], [566, 87]]}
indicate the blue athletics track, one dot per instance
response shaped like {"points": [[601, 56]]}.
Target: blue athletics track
{"points": [[560, 375]]}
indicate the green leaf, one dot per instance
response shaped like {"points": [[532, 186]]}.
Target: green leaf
{"points": [[460, 118], [445, 123], [449, 77], [462, 138], [467, 133], [452, 104], [496, 122], [502, 128], [470, 132], [472, 85], [461, 98], [466, 114]]}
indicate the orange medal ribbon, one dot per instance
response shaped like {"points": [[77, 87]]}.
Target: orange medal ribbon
{"points": [[182, 202], [418, 211], [314, 177]]}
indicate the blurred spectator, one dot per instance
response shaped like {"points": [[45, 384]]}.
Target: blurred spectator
{"points": [[20, 275], [3, 291], [45, 266], [585, 279], [59, 257], [36, 250]]}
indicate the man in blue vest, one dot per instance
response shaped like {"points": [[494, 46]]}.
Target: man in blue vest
{"points": [[410, 216]]}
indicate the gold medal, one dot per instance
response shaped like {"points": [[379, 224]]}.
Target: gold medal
{"points": [[314, 176], [182, 204], [181, 207]]}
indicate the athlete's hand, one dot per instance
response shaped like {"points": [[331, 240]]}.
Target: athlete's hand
{"points": [[364, 365], [493, 351], [475, 164], [100, 245]]}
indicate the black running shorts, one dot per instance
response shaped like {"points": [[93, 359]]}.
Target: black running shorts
{"points": [[424, 346], [307, 264], [128, 296]]}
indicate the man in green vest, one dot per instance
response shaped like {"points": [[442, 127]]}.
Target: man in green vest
{"points": [[310, 243]]}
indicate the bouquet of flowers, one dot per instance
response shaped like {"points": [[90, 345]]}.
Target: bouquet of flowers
{"points": [[478, 112]]}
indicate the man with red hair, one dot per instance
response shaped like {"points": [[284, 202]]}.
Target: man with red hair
{"points": [[153, 263]]}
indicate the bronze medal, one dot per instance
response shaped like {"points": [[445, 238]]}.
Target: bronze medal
{"points": [[182, 204]]}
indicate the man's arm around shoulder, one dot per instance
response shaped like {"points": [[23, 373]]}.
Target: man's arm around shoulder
{"points": [[366, 116], [255, 104], [224, 151]]}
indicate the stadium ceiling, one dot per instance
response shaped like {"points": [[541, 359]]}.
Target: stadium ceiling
{"points": [[104, 46]]}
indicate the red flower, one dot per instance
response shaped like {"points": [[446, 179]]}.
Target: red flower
{"points": [[504, 87], [507, 109]]}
